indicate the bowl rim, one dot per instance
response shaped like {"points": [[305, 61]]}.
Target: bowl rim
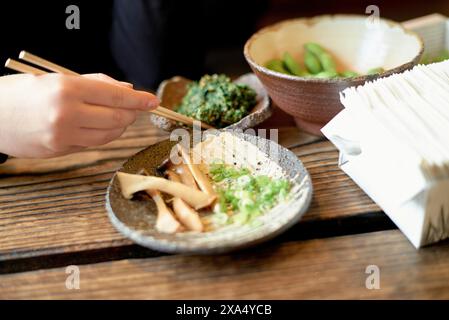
{"points": [[313, 20]]}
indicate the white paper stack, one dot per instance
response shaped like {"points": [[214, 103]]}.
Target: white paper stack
{"points": [[393, 138]]}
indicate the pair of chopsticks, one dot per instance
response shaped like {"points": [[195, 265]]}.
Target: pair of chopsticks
{"points": [[31, 58]]}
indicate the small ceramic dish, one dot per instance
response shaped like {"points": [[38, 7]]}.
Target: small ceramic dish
{"points": [[354, 43], [136, 218], [171, 92]]}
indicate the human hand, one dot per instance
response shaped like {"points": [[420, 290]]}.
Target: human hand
{"points": [[52, 115]]}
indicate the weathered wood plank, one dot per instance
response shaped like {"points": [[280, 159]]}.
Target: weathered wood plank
{"points": [[332, 268], [56, 206]]}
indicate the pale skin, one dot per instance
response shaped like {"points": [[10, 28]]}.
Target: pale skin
{"points": [[53, 115]]}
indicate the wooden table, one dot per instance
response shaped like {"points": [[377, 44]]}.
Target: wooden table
{"points": [[52, 215]]}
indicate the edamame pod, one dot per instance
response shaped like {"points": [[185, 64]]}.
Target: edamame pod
{"points": [[312, 63], [276, 65], [291, 65], [325, 59], [326, 75], [349, 74], [314, 48], [327, 62]]}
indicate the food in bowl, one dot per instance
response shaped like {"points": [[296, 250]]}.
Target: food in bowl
{"points": [[242, 195], [217, 101], [214, 193], [318, 63], [355, 45], [172, 91]]}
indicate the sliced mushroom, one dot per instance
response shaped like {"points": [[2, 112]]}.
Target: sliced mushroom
{"points": [[188, 217], [132, 183], [201, 179], [186, 176], [165, 221]]}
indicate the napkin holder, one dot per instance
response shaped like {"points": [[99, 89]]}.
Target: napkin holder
{"points": [[392, 178]]}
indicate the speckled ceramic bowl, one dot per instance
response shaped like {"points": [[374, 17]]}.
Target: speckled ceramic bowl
{"points": [[136, 218], [356, 45], [171, 92]]}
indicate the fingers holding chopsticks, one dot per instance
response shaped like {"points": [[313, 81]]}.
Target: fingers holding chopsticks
{"points": [[52, 114], [110, 113], [48, 115], [106, 93], [96, 108], [99, 117], [118, 98]]}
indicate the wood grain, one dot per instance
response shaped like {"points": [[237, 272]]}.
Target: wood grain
{"points": [[57, 205], [332, 268]]}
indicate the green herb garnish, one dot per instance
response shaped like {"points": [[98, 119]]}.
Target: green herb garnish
{"points": [[216, 100], [219, 172], [243, 195]]}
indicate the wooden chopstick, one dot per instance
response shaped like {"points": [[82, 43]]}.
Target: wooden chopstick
{"points": [[24, 68], [167, 113], [31, 58], [38, 61]]}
